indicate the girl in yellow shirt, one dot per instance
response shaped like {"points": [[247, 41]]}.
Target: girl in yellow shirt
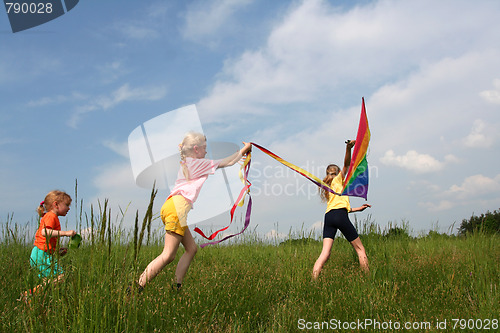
{"points": [[336, 216]]}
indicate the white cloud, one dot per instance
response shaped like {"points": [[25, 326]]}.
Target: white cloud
{"points": [[58, 99], [442, 205], [116, 176], [317, 49], [475, 186], [451, 159], [412, 161], [477, 137], [123, 94], [492, 96], [116, 183], [121, 148], [427, 186], [475, 191], [205, 19], [112, 71], [146, 25], [26, 67]]}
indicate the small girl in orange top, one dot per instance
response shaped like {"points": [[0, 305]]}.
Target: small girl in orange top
{"points": [[56, 204]]}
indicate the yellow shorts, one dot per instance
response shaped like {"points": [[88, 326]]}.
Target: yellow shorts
{"points": [[174, 214]]}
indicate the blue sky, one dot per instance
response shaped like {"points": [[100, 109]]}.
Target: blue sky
{"points": [[288, 75]]}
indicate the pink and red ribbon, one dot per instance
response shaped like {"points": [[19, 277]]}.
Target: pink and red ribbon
{"points": [[245, 168]]}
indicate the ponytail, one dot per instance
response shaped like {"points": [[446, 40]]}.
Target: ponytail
{"points": [[331, 172], [41, 209], [182, 162]]}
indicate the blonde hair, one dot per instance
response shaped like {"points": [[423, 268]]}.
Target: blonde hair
{"points": [[50, 198], [186, 148], [332, 171]]}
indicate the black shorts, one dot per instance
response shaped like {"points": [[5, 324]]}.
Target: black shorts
{"points": [[339, 219]]}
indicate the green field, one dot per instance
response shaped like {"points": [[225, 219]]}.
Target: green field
{"points": [[254, 286]]}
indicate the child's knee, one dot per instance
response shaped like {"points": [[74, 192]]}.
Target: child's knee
{"points": [[357, 245], [192, 250], [167, 257]]}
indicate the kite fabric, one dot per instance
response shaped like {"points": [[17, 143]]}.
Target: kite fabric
{"points": [[356, 182]]}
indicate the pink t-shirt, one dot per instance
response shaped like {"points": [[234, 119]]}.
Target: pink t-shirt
{"points": [[199, 169]]}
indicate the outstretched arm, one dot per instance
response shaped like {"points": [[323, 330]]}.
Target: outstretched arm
{"points": [[233, 159], [347, 158], [49, 233], [360, 209]]}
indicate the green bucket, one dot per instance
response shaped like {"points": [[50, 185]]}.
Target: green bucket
{"points": [[74, 242]]}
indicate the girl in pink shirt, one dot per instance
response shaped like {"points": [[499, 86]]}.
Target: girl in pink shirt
{"points": [[193, 172]]}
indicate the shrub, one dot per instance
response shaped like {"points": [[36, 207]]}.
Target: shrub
{"points": [[299, 241], [433, 234], [397, 232]]}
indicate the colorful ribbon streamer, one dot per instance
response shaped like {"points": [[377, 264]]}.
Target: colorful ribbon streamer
{"points": [[356, 183], [297, 169], [244, 170]]}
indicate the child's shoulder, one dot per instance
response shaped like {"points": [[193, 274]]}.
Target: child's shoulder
{"points": [[50, 218], [197, 161]]}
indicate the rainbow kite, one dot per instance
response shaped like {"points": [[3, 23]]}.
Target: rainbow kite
{"points": [[356, 182]]}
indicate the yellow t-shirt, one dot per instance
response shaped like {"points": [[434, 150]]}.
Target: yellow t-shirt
{"points": [[338, 201]]}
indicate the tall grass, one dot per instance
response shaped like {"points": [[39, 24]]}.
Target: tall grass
{"points": [[252, 286]]}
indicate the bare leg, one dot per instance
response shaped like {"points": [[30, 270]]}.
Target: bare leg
{"points": [[45, 281], [323, 257], [184, 262], [360, 250], [172, 241]]}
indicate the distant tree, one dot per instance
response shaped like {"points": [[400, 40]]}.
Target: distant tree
{"points": [[488, 223]]}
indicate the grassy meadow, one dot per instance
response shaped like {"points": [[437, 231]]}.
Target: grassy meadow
{"points": [[437, 283]]}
